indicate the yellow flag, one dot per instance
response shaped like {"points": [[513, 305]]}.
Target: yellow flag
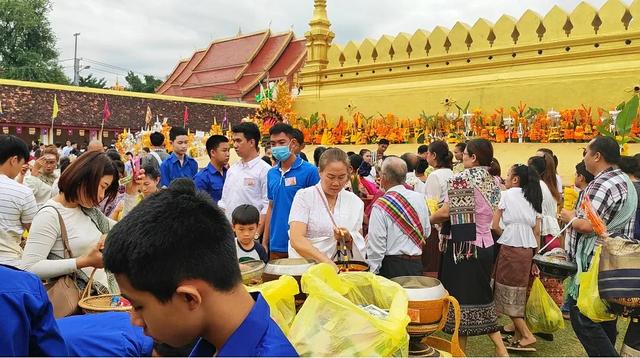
{"points": [[54, 114]]}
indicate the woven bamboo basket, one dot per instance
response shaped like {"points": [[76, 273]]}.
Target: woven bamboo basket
{"points": [[99, 303]]}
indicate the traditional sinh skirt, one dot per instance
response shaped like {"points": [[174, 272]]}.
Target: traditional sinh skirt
{"points": [[512, 272], [469, 282]]}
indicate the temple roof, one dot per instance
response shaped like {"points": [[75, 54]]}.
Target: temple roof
{"points": [[234, 67]]}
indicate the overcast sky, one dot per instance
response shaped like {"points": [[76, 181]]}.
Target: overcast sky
{"points": [[150, 37]]}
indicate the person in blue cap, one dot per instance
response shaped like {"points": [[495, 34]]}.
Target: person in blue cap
{"points": [[181, 275]]}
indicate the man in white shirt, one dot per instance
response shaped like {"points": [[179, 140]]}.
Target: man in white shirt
{"points": [[246, 181], [67, 149], [43, 175], [398, 225], [17, 203]]}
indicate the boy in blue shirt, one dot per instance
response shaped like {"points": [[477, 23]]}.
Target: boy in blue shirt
{"points": [[28, 327], [211, 179], [178, 164], [283, 182], [181, 275]]}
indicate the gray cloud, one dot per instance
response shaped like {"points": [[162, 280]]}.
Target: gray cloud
{"points": [[150, 37]]}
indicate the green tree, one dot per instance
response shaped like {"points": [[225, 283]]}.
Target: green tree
{"points": [[27, 43], [137, 85], [93, 82]]}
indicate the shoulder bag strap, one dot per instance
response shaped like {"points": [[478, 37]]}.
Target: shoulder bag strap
{"points": [[63, 233]]}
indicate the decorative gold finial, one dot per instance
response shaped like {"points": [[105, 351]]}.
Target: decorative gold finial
{"points": [[319, 36]]}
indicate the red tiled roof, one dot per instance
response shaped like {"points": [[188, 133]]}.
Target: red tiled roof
{"points": [[234, 67]]}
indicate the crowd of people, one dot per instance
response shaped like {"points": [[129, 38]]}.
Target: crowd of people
{"points": [[172, 237]]}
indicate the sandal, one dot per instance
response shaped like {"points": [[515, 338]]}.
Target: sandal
{"points": [[516, 347]]}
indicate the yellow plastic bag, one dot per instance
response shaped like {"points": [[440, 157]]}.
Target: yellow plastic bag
{"points": [[331, 322], [542, 314], [279, 294], [589, 302]]}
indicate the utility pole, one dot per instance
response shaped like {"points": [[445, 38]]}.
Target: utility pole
{"points": [[76, 61]]}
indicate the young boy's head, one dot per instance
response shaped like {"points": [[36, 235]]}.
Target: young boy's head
{"points": [[245, 219], [583, 177], [179, 140], [174, 258], [14, 153]]}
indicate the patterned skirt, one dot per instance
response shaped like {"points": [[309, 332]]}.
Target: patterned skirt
{"points": [[513, 269], [469, 282]]}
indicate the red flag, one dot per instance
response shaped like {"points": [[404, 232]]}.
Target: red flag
{"points": [[106, 113], [185, 118]]}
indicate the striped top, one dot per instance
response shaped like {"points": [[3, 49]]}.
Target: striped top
{"points": [[17, 207]]}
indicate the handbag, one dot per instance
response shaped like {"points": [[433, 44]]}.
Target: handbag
{"points": [[619, 275], [63, 292]]}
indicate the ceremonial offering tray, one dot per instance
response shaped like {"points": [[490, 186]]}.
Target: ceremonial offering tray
{"points": [[352, 266], [555, 263], [290, 267], [252, 272]]}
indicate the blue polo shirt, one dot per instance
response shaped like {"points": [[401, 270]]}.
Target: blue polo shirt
{"points": [[27, 325], [211, 180], [108, 334], [171, 169], [282, 188], [257, 336]]}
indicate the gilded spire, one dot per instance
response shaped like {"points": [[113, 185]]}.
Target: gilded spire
{"points": [[319, 36]]}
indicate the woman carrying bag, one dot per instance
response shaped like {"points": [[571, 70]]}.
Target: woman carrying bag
{"points": [[66, 236]]}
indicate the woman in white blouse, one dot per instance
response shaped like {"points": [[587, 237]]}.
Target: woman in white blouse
{"points": [[83, 185], [325, 213], [439, 158], [550, 199]]}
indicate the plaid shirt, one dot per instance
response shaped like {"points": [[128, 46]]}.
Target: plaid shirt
{"points": [[608, 192]]}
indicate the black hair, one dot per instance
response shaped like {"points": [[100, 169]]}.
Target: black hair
{"points": [[152, 239], [350, 153], [384, 141], [581, 169], [317, 153], [607, 147], [408, 159], [422, 166], [64, 163], [267, 159], [423, 149], [175, 132], [113, 154], [245, 215], [630, 165], [157, 139], [146, 150], [250, 130], [530, 184], [553, 156], [298, 136], [355, 161], [362, 151], [461, 146], [128, 153], [482, 149], [214, 142], [538, 163], [282, 128], [443, 156], [494, 168], [12, 146], [118, 163], [151, 171], [185, 185]]}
